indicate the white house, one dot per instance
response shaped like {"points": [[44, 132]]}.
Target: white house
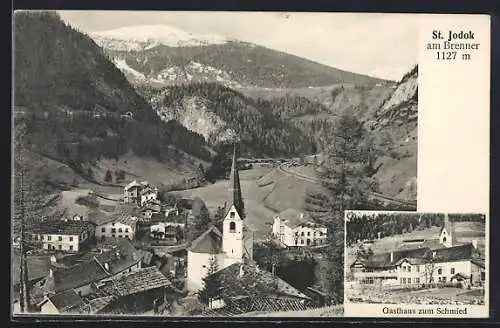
{"points": [[233, 245], [164, 230], [132, 191], [60, 235], [293, 228], [147, 194], [171, 210], [60, 303], [444, 262], [118, 226]]}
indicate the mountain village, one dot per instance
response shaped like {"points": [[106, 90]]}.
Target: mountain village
{"points": [[98, 267]]}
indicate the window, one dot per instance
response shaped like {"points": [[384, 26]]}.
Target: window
{"points": [[119, 236], [60, 246], [60, 238], [302, 233], [232, 215], [309, 233], [103, 230], [444, 239], [49, 238], [440, 271], [302, 241], [70, 247], [113, 230], [232, 227], [71, 238], [409, 268], [444, 279], [113, 235], [120, 230], [452, 271], [126, 229], [417, 268], [417, 280], [483, 276], [113, 224], [401, 280], [404, 280], [41, 237]]}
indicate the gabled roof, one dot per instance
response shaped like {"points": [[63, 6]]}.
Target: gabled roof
{"points": [[293, 218], [455, 253], [209, 242], [123, 218], [253, 282], [147, 189], [74, 276], [460, 276], [65, 300], [62, 227], [120, 257], [96, 305], [479, 262], [132, 185], [383, 260], [136, 282]]}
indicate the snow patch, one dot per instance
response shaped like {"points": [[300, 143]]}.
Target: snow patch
{"points": [[122, 65], [148, 36]]}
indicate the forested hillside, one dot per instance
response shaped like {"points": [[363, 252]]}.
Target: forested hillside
{"points": [[214, 110], [72, 99]]}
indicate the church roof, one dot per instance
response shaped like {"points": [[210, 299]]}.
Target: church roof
{"points": [[209, 242]]}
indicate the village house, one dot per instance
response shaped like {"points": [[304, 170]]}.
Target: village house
{"points": [[147, 194], [131, 192], [117, 226], [166, 230], [233, 245], [115, 258], [67, 301], [292, 228], [247, 288], [133, 293], [443, 261], [149, 209], [171, 210], [67, 236]]}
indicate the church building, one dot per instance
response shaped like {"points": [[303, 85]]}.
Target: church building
{"points": [[233, 245]]}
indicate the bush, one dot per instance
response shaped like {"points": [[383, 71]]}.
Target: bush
{"points": [[89, 201]]}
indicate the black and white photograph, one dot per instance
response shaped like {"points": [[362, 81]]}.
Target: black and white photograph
{"points": [[405, 258], [198, 164]]}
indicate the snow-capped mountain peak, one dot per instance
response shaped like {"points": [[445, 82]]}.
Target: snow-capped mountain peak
{"points": [[144, 36]]}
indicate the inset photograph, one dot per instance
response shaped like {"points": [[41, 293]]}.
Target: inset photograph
{"points": [[411, 258]]}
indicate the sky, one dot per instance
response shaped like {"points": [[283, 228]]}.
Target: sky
{"points": [[381, 45]]}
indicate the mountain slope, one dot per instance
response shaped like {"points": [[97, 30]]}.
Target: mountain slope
{"points": [[221, 114], [176, 57], [71, 99]]}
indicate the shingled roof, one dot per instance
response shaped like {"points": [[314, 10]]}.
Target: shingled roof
{"points": [[60, 227], [120, 256], [76, 276], [455, 253], [136, 282], [293, 218], [383, 260], [209, 242], [253, 282], [66, 300]]}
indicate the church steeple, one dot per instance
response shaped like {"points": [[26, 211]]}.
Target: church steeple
{"points": [[234, 197]]}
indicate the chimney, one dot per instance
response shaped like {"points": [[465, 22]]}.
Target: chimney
{"points": [[474, 243], [106, 266], [392, 256]]}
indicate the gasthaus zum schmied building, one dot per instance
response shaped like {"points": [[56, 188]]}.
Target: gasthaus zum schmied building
{"points": [[433, 261]]}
